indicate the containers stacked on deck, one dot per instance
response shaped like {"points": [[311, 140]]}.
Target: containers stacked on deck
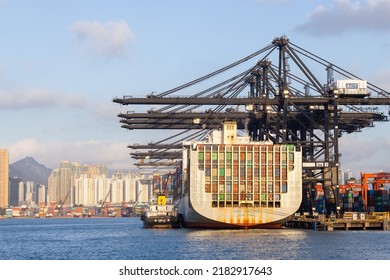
{"points": [[254, 174]]}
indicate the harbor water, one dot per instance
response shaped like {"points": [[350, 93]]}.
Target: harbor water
{"points": [[126, 239]]}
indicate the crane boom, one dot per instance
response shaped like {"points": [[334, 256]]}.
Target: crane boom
{"points": [[164, 190], [61, 203]]}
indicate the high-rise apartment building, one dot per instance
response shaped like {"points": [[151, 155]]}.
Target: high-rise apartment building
{"points": [[31, 193], [42, 194], [85, 184], [4, 177], [54, 185], [65, 182], [60, 183], [347, 175], [14, 194]]}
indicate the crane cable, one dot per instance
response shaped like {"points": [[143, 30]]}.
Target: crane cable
{"points": [[216, 72]]}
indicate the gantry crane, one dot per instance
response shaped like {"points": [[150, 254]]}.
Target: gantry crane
{"points": [[103, 203], [377, 180], [128, 207], [282, 102], [61, 203]]}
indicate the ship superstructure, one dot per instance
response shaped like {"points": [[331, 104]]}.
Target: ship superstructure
{"points": [[229, 181]]}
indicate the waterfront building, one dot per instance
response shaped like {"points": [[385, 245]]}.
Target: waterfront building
{"points": [[4, 176], [53, 185], [85, 191], [130, 187], [22, 193], [65, 174], [14, 194], [89, 185], [31, 194], [103, 186], [117, 190], [341, 177], [347, 175], [42, 194], [79, 181]]}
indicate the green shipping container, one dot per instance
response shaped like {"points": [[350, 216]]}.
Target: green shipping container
{"points": [[229, 156]]}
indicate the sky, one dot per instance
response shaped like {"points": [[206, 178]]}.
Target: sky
{"points": [[63, 62]]}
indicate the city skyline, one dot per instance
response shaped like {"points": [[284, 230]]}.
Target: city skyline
{"points": [[80, 184], [88, 184], [56, 93]]}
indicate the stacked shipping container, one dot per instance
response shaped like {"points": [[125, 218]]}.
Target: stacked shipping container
{"points": [[253, 175], [352, 201], [378, 201]]}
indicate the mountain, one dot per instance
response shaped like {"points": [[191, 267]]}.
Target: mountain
{"points": [[28, 169]]}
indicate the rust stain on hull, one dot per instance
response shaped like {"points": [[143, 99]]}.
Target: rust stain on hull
{"points": [[215, 225]]}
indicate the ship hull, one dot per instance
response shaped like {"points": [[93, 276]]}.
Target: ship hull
{"points": [[190, 218], [161, 222], [229, 181]]}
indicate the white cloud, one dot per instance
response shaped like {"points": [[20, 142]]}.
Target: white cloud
{"points": [[107, 111], [21, 98], [21, 149], [347, 15], [109, 39]]}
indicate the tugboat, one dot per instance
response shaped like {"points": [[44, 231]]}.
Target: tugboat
{"points": [[160, 215]]}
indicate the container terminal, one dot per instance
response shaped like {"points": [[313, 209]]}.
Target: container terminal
{"points": [[281, 93]]}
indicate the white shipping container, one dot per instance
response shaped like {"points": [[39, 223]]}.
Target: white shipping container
{"points": [[351, 87], [15, 213]]}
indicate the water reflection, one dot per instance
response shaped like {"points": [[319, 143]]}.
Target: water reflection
{"points": [[247, 244]]}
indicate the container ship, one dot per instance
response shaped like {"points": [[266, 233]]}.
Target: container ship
{"points": [[229, 181]]}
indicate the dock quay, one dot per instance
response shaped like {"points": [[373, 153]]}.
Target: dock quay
{"points": [[349, 221]]}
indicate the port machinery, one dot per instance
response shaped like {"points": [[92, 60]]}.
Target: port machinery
{"points": [[276, 98]]}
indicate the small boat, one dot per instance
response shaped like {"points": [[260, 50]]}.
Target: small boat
{"points": [[160, 215]]}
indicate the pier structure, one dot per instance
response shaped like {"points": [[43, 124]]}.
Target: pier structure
{"points": [[274, 94], [350, 221]]}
